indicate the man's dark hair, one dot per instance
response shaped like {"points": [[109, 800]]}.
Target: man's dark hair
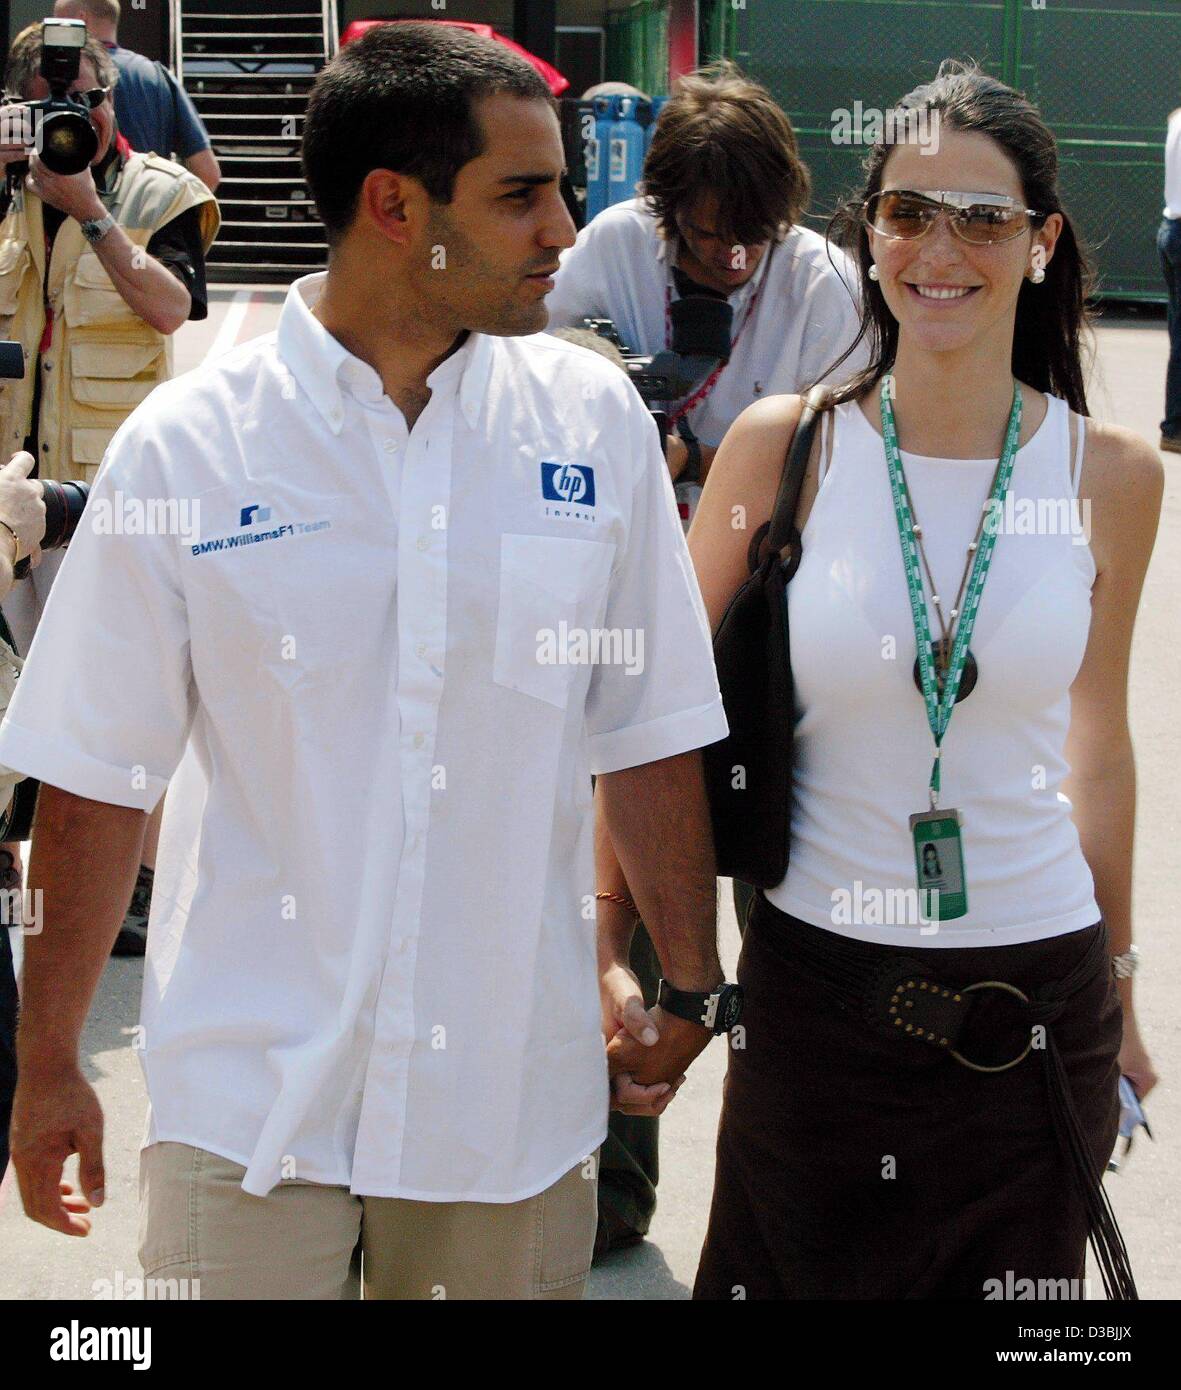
{"points": [[401, 97]]}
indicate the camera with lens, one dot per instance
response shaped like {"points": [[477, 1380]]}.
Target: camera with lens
{"points": [[700, 342], [59, 125], [64, 501]]}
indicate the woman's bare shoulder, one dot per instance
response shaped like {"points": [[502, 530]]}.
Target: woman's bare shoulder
{"points": [[1122, 483], [1121, 465]]}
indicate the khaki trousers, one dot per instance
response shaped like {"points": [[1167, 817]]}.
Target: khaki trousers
{"points": [[299, 1241]]}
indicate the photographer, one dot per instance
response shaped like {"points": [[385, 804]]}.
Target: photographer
{"points": [[22, 524], [97, 270], [723, 194]]}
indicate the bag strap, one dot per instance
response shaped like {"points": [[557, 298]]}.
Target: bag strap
{"points": [[778, 533]]}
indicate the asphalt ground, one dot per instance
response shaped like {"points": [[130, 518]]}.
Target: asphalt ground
{"points": [[1127, 387]]}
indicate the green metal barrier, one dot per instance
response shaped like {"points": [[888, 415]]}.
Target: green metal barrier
{"points": [[1105, 75], [637, 46]]}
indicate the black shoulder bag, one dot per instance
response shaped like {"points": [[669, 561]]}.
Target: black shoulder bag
{"points": [[748, 773]]}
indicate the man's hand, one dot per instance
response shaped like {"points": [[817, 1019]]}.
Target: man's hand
{"points": [[680, 1043], [22, 504], [56, 1113], [626, 1019], [73, 194]]}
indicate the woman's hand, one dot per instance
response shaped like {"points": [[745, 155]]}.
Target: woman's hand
{"points": [[22, 505], [1134, 1061]]}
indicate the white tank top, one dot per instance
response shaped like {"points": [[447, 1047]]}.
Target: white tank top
{"points": [[863, 747]]}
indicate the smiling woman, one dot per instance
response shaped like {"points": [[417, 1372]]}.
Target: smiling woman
{"points": [[995, 803]]}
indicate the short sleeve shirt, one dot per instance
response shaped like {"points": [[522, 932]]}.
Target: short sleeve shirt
{"points": [[154, 111], [376, 669]]}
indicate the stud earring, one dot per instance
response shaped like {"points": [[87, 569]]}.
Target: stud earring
{"points": [[872, 272], [1037, 274]]}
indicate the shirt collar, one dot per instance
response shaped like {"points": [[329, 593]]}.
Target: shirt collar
{"points": [[320, 362]]}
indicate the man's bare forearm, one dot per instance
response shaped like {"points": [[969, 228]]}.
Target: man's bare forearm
{"points": [[85, 857], [657, 822]]}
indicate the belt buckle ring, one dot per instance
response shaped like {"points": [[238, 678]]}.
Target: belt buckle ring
{"points": [[1004, 1066]]}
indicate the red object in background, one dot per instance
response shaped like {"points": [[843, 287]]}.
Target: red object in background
{"points": [[557, 83]]}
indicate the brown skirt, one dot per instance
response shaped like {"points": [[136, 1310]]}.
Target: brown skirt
{"points": [[852, 1164]]}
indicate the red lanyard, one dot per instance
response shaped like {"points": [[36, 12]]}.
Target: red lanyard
{"points": [[711, 381], [47, 332]]}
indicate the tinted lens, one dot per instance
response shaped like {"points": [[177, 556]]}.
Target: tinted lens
{"points": [[899, 214], [983, 222], [92, 98]]}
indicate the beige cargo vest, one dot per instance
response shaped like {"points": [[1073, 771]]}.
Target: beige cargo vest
{"points": [[103, 359]]}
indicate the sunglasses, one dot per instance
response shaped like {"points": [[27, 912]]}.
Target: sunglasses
{"points": [[92, 98], [984, 219]]}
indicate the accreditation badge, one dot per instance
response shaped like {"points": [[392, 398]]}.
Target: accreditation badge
{"points": [[939, 864]]}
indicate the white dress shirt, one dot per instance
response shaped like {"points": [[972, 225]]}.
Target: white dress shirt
{"points": [[371, 956], [807, 315]]}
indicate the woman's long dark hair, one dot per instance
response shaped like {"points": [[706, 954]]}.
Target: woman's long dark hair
{"points": [[1052, 325]]}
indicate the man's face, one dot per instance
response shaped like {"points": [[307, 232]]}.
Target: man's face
{"points": [[708, 254], [102, 117], [486, 257]]}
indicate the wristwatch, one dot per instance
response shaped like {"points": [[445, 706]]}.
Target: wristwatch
{"points": [[95, 228], [718, 1010]]}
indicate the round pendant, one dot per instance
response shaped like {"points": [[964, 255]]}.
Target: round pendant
{"points": [[940, 655]]}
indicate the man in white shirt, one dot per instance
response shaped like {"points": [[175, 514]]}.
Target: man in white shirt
{"points": [[370, 1010], [724, 193]]}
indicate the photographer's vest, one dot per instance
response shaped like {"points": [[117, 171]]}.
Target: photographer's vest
{"points": [[99, 359]]}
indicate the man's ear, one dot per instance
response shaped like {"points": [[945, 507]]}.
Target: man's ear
{"points": [[391, 202]]}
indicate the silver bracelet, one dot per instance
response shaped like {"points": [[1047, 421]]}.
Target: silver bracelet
{"points": [[1125, 965]]}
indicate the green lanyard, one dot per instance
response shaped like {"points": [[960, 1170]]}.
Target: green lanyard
{"points": [[939, 712]]}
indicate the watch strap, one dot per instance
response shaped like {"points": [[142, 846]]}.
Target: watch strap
{"points": [[95, 228], [703, 1007]]}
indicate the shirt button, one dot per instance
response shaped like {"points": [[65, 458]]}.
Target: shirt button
{"points": [[420, 650], [419, 740], [390, 446], [423, 542]]}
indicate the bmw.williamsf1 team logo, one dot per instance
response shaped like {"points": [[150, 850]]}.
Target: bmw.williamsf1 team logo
{"points": [[572, 483]]}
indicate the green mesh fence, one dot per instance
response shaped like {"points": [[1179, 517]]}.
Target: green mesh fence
{"points": [[1105, 75], [637, 46], [717, 29]]}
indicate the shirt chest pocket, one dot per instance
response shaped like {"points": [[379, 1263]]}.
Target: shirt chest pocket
{"points": [[15, 260], [553, 595], [91, 296]]}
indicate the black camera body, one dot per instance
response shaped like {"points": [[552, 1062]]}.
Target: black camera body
{"points": [[59, 125], [700, 342]]}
